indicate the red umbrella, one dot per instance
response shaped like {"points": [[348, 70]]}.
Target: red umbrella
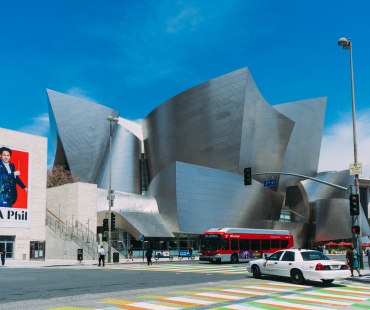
{"points": [[344, 243], [331, 243]]}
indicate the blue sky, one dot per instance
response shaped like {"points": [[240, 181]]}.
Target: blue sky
{"points": [[134, 55]]}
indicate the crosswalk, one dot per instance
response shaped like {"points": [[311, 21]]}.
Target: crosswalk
{"points": [[187, 267], [255, 295]]}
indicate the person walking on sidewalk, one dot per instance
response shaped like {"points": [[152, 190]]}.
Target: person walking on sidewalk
{"points": [[129, 255], [352, 260], [3, 254], [190, 252], [101, 253], [367, 253], [149, 254]]}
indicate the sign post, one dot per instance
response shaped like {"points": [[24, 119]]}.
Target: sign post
{"points": [[142, 244]]}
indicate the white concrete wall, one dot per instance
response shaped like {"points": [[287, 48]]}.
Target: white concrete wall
{"points": [[74, 201], [37, 148]]}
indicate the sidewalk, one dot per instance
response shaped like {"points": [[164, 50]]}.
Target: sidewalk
{"points": [[12, 263]]}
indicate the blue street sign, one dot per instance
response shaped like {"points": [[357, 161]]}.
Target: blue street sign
{"points": [[142, 238], [271, 182]]}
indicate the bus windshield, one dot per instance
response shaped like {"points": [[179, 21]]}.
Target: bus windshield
{"points": [[211, 242]]}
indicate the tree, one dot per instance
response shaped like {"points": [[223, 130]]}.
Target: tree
{"points": [[59, 175]]}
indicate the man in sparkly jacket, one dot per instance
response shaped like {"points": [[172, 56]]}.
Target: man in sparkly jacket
{"points": [[9, 179]]}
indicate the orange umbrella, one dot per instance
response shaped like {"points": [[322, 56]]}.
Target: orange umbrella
{"points": [[331, 243], [344, 243]]}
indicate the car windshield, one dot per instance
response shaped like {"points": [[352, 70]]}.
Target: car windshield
{"points": [[314, 255], [211, 242]]}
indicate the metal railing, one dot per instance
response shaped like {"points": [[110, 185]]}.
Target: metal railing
{"points": [[73, 233]]}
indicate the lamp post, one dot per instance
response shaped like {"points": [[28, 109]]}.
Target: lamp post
{"points": [[110, 196], [347, 44]]}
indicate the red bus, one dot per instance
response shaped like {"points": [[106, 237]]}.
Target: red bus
{"points": [[242, 244]]}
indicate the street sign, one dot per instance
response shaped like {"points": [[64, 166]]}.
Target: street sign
{"points": [[355, 168], [271, 182], [142, 238]]}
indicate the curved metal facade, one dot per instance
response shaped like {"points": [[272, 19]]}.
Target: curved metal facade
{"points": [[197, 145], [80, 131]]}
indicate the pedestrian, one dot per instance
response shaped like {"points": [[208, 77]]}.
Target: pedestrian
{"points": [[3, 254], [190, 252], [367, 253], [149, 254], [352, 260], [129, 254], [101, 253]]}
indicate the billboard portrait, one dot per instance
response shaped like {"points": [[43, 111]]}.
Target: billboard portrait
{"points": [[14, 179]]}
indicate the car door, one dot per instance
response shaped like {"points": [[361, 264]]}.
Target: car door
{"points": [[286, 263], [271, 264]]}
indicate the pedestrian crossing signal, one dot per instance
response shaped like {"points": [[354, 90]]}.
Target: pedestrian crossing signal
{"points": [[356, 230]]}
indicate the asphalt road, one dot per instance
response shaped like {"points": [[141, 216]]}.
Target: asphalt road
{"points": [[92, 287], [65, 282]]}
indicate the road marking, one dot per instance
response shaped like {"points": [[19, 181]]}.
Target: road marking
{"points": [[219, 296], [290, 306]]}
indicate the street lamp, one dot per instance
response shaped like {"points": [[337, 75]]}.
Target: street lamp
{"points": [[347, 44], [110, 196]]}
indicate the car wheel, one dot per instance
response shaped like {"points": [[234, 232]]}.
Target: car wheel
{"points": [[234, 259], [328, 281], [297, 276], [256, 272]]}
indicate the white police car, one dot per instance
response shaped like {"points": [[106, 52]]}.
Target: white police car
{"points": [[299, 265]]}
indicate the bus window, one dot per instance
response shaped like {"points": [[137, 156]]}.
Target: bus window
{"points": [[256, 244], [275, 244], [244, 245], [234, 244], [225, 244], [284, 243], [265, 244]]}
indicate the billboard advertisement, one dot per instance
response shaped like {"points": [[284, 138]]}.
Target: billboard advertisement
{"points": [[14, 187]]}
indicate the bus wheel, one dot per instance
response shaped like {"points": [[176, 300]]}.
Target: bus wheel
{"points": [[256, 272], [234, 259]]}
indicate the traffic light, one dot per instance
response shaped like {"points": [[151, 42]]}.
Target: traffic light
{"points": [[248, 176], [105, 224], [354, 206], [356, 230], [113, 221]]}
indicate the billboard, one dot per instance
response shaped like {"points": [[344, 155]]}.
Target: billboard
{"points": [[14, 187]]}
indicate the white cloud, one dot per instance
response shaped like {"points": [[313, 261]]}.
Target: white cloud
{"points": [[80, 93], [337, 149], [39, 126]]}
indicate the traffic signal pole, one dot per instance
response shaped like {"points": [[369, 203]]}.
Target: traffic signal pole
{"points": [[356, 219]]}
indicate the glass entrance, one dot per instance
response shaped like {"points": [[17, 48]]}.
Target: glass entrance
{"points": [[7, 243]]}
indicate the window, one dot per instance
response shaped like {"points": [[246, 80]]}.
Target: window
{"points": [[225, 244], [313, 255], [244, 245], [275, 244], [265, 244], [234, 244], [256, 245], [288, 256], [276, 256], [284, 243]]}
